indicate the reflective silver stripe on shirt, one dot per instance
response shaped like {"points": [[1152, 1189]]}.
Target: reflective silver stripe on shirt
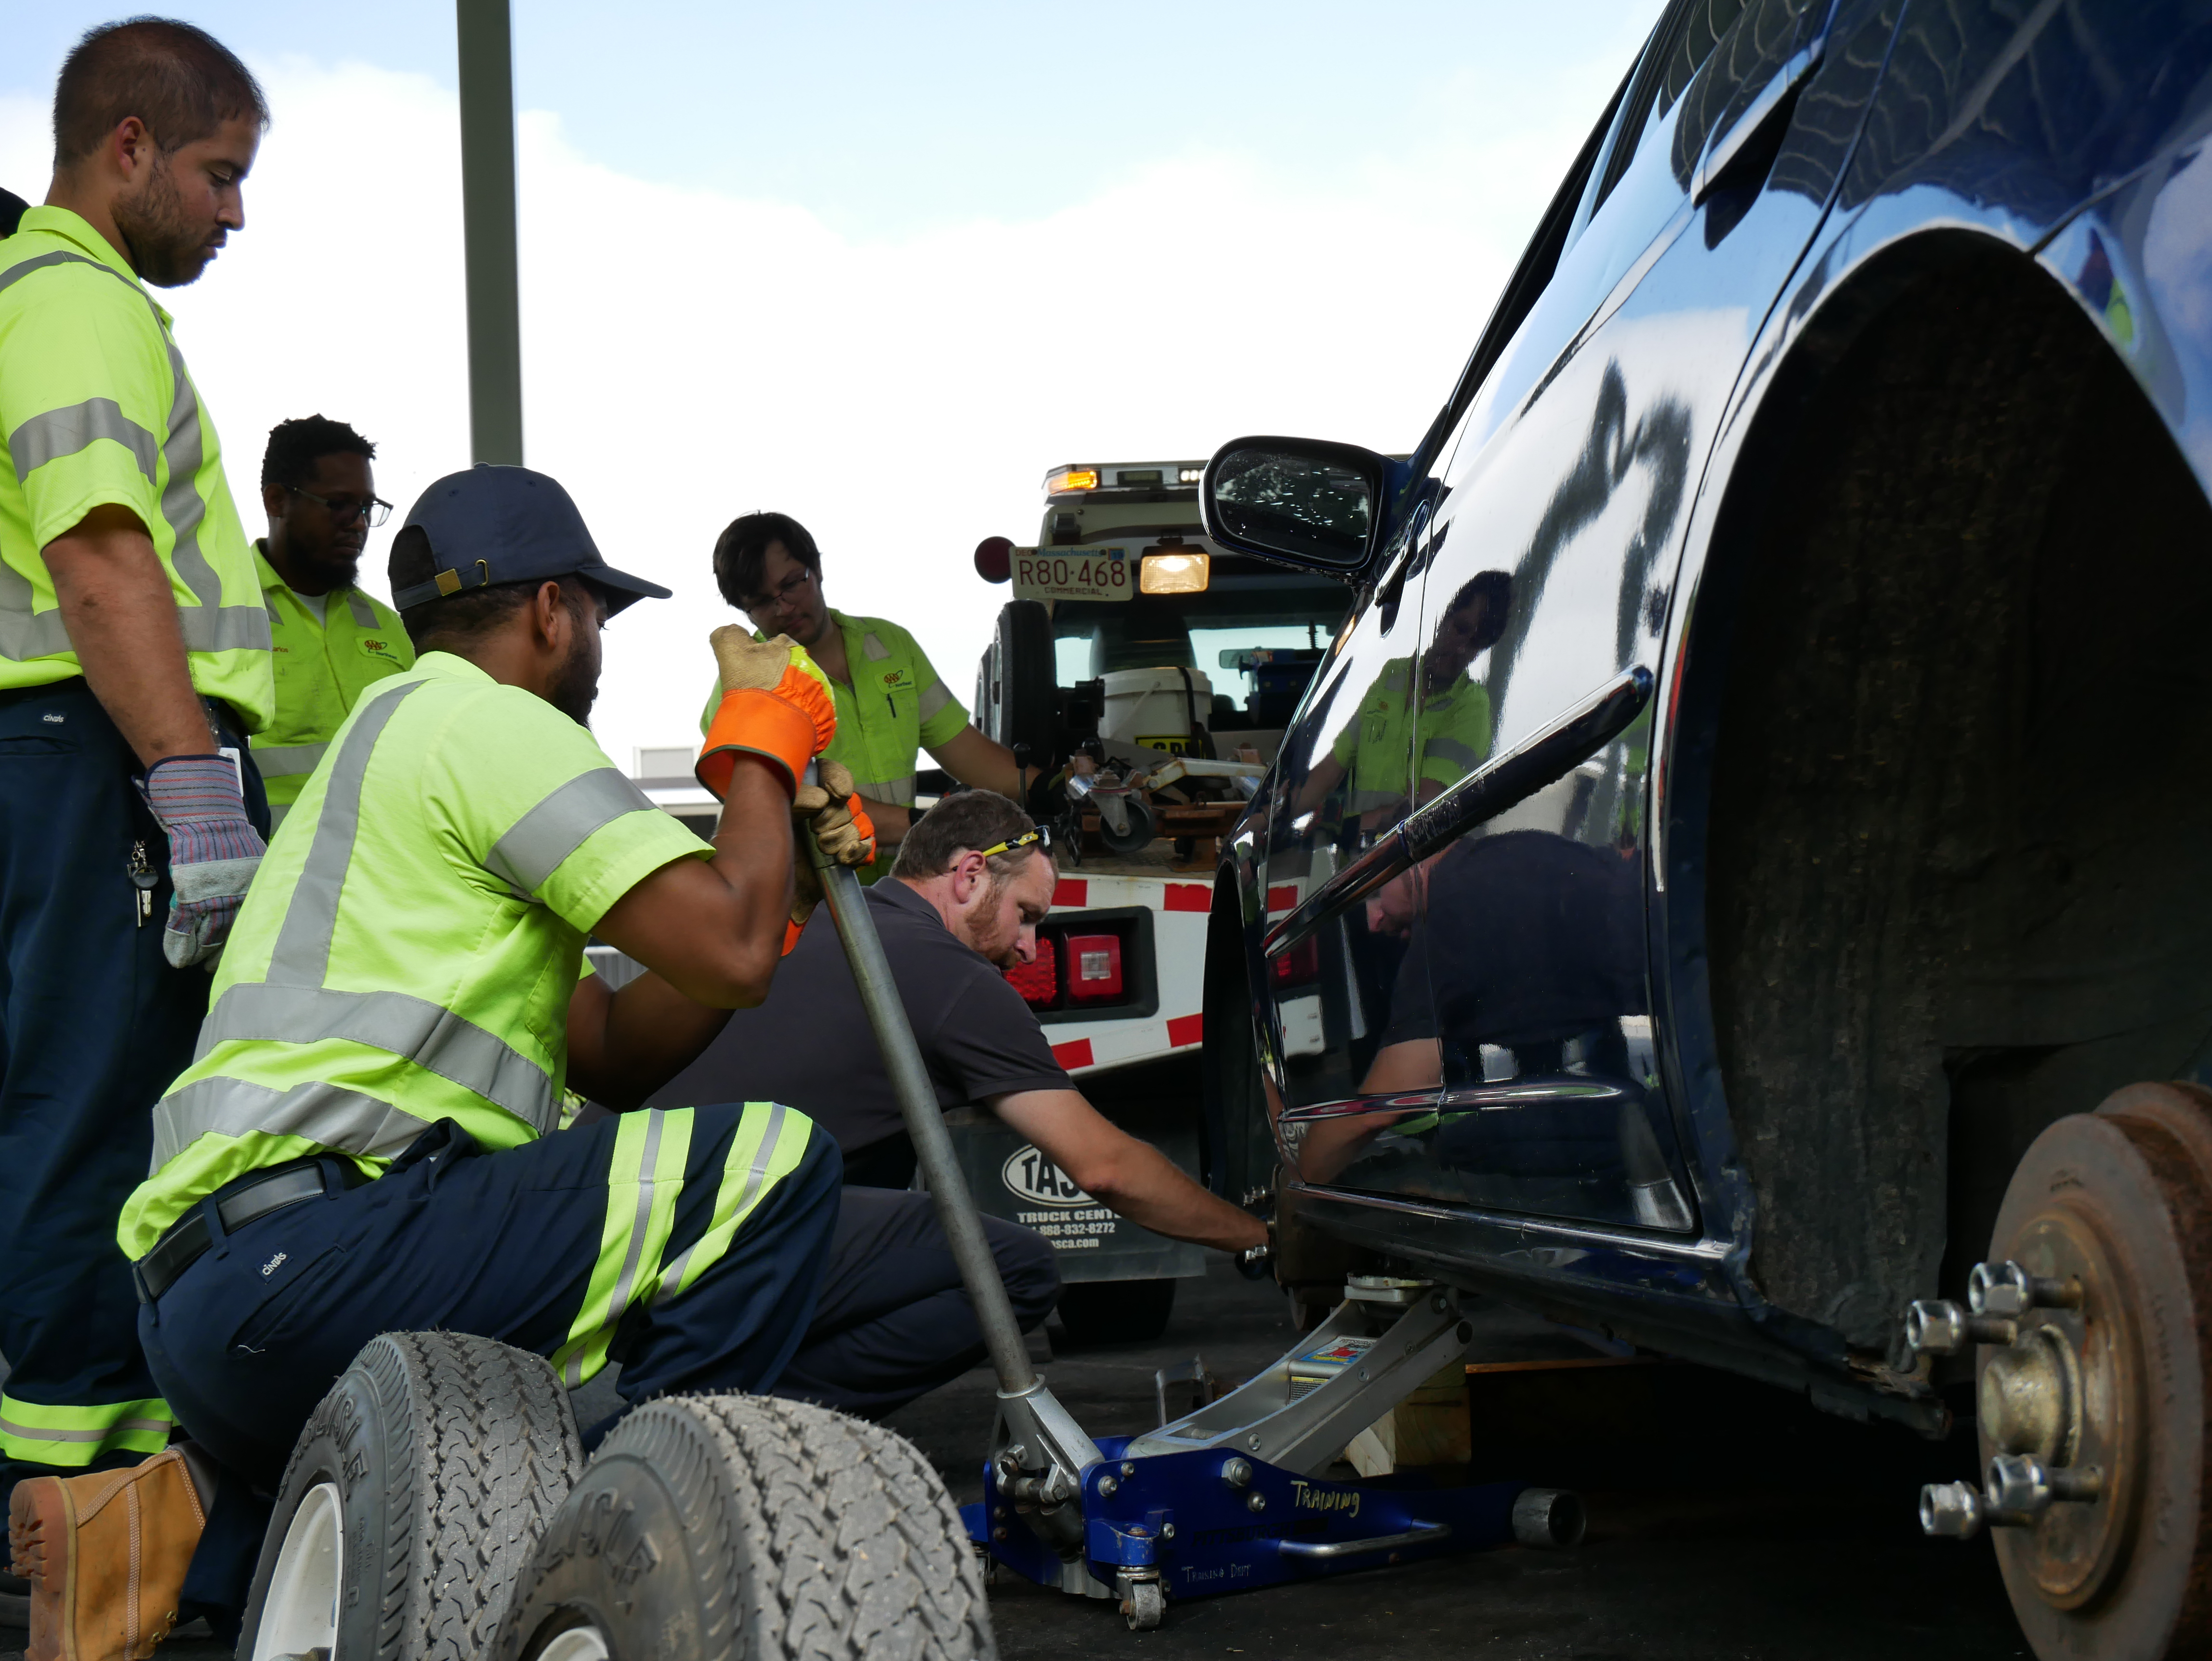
{"points": [[897, 792], [364, 615], [207, 626], [433, 1038], [671, 1273], [302, 953], [1451, 750], [873, 647], [934, 698], [542, 838], [320, 1113], [279, 810], [278, 761], [59, 433]]}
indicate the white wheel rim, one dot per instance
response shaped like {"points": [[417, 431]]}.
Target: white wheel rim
{"points": [[584, 1643], [300, 1613]]}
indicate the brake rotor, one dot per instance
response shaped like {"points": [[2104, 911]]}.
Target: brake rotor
{"points": [[2111, 1212]]}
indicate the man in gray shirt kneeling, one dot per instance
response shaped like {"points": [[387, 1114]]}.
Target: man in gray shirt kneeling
{"points": [[972, 882]]}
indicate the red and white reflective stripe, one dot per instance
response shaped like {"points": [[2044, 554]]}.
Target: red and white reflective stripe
{"points": [[1130, 1041], [1179, 955]]}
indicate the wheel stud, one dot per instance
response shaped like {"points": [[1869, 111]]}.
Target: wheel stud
{"points": [[2005, 1289], [1950, 1510], [1936, 1326]]}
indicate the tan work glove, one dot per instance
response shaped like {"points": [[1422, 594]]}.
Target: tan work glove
{"points": [[840, 824], [775, 705]]}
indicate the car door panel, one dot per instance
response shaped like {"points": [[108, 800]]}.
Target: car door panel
{"points": [[1526, 969]]}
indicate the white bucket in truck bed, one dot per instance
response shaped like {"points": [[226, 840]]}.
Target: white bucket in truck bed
{"points": [[1143, 704]]}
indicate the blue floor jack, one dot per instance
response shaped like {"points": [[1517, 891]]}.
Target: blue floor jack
{"points": [[1230, 1497]]}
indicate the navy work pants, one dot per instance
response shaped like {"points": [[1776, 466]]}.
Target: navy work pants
{"points": [[250, 1337], [93, 1026], [893, 1321]]}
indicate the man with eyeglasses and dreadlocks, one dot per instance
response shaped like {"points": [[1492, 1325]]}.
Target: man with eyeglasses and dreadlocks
{"points": [[333, 641]]}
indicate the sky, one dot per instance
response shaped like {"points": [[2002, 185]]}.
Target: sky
{"points": [[878, 266]]}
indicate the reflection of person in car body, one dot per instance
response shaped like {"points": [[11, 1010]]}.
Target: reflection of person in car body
{"points": [[1450, 732], [1529, 946]]}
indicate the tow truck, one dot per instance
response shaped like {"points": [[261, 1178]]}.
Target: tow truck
{"points": [[1152, 673]]}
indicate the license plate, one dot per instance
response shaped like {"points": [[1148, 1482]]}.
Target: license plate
{"points": [[1083, 573]]}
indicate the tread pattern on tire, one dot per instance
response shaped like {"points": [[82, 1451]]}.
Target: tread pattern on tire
{"points": [[483, 1450], [813, 1537]]}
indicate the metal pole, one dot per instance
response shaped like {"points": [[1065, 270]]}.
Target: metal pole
{"points": [[487, 226], [924, 1121]]}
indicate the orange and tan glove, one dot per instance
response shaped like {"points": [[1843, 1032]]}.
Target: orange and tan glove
{"points": [[842, 829], [840, 823], [775, 704]]}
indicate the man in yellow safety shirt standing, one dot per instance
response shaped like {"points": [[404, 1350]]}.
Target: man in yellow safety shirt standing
{"points": [[134, 661], [332, 641], [890, 703]]}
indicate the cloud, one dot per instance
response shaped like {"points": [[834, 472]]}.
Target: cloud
{"points": [[689, 355]]}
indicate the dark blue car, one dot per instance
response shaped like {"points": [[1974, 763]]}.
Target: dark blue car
{"points": [[1741, 879]]}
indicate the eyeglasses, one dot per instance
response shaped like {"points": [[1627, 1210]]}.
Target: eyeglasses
{"points": [[787, 590], [1034, 836], [343, 510]]}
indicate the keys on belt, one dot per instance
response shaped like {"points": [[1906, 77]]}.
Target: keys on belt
{"points": [[245, 1201]]}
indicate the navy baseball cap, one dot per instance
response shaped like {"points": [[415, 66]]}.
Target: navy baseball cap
{"points": [[493, 525]]}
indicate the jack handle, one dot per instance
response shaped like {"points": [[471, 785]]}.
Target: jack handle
{"points": [[925, 1119]]}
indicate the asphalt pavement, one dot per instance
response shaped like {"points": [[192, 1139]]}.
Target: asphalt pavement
{"points": [[1726, 1520]]}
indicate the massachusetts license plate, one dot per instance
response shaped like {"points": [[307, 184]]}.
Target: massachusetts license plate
{"points": [[1076, 573]]}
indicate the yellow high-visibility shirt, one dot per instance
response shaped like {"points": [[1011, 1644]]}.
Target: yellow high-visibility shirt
{"points": [[97, 410], [410, 943], [323, 664]]}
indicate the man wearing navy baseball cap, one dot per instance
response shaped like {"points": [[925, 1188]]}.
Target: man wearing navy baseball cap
{"points": [[361, 1147]]}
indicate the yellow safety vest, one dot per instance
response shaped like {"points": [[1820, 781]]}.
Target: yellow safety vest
{"points": [[323, 666], [410, 943], [1376, 747], [97, 410]]}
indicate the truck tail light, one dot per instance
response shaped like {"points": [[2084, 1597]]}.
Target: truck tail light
{"points": [[1094, 966], [1038, 982], [1300, 964]]}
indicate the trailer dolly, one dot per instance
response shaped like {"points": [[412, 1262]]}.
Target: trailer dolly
{"points": [[1231, 1496]]}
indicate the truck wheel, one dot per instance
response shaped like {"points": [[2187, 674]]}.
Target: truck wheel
{"points": [[1115, 1311], [413, 1499], [2110, 1214], [721, 1527]]}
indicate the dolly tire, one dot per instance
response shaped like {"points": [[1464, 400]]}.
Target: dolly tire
{"points": [[414, 1498], [721, 1527]]}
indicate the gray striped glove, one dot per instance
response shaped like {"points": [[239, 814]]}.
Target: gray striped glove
{"points": [[214, 851]]}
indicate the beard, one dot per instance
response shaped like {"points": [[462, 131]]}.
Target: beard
{"points": [[168, 249], [578, 688], [337, 568]]}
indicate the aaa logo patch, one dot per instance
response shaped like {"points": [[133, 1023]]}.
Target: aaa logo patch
{"points": [[898, 680]]}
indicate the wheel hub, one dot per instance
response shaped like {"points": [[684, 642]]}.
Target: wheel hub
{"points": [[2093, 1322], [2067, 1393], [2031, 1396]]}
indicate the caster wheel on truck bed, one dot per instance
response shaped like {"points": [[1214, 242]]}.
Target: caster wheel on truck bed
{"points": [[741, 1528], [412, 1502]]}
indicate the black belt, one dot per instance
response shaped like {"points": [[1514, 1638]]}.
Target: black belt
{"points": [[247, 1200]]}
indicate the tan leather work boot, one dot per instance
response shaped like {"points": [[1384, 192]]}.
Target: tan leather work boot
{"points": [[106, 1554]]}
